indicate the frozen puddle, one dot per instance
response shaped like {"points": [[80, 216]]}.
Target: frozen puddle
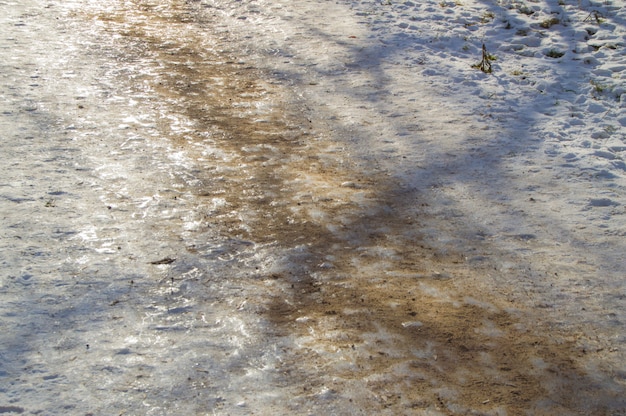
{"points": [[189, 226]]}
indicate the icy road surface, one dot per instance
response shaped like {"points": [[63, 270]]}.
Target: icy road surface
{"points": [[311, 207]]}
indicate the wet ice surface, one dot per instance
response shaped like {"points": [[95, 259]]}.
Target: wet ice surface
{"points": [[92, 196], [237, 208]]}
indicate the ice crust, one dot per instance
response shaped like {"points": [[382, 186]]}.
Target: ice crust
{"points": [[126, 288]]}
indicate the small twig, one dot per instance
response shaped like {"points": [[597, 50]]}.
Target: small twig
{"points": [[166, 260], [595, 14], [485, 64]]}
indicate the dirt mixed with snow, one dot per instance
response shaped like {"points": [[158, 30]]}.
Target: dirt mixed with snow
{"points": [[296, 207]]}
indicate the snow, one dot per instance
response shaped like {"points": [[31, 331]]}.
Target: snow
{"points": [[305, 207]]}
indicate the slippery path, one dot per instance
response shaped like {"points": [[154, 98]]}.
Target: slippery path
{"points": [[185, 232]]}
